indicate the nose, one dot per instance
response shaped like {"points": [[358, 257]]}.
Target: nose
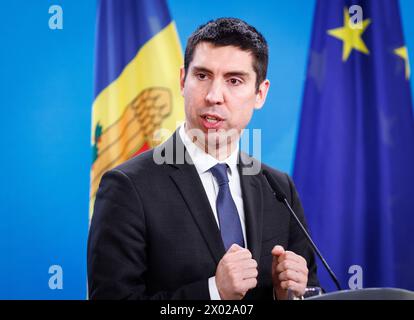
{"points": [[215, 93]]}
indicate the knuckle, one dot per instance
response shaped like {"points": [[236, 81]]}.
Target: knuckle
{"points": [[289, 254], [253, 274], [246, 254], [254, 282]]}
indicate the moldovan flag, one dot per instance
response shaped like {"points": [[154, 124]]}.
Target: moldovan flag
{"points": [[138, 56]]}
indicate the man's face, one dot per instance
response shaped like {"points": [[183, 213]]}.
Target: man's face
{"points": [[220, 91]]}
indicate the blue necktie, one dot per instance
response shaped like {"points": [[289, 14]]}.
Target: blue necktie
{"points": [[230, 226]]}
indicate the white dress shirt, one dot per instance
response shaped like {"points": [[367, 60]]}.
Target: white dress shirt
{"points": [[203, 162]]}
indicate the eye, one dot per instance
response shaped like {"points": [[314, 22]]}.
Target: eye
{"points": [[235, 81], [201, 76]]}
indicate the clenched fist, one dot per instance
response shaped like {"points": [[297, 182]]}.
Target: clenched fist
{"points": [[289, 271], [236, 273]]}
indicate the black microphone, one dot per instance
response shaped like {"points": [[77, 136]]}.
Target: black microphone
{"points": [[280, 196]]}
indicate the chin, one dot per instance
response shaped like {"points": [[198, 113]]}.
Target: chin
{"points": [[220, 138]]}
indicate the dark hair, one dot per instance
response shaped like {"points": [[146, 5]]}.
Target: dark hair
{"points": [[231, 32]]}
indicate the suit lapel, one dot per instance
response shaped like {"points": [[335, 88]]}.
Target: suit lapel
{"points": [[253, 206], [188, 183], [191, 188]]}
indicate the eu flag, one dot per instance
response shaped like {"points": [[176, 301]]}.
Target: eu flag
{"points": [[354, 166]]}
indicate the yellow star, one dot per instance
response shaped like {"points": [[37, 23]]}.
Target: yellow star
{"points": [[351, 35], [402, 52]]}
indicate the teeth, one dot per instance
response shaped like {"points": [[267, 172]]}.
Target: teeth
{"points": [[211, 119]]}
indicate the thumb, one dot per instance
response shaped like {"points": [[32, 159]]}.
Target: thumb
{"points": [[234, 248], [278, 251]]}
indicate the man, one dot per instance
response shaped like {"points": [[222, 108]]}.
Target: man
{"points": [[202, 228]]}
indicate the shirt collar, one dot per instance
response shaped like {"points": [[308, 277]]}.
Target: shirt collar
{"points": [[204, 161]]}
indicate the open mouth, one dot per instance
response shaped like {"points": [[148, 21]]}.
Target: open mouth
{"points": [[211, 121]]}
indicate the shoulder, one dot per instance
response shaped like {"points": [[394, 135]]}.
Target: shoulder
{"points": [[149, 167], [140, 167]]}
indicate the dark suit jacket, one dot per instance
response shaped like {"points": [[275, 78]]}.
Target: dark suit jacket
{"points": [[153, 234]]}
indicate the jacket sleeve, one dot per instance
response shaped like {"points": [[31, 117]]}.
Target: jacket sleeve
{"points": [[117, 246]]}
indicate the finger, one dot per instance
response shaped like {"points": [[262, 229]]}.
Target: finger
{"points": [[292, 285], [249, 284], [283, 266], [291, 265], [234, 248], [250, 273], [290, 255], [251, 263], [246, 264], [297, 277], [298, 289], [278, 250], [293, 256], [243, 254]]}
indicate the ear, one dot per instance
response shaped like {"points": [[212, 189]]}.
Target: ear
{"points": [[182, 79], [262, 94]]}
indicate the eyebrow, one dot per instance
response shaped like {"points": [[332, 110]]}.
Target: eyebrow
{"points": [[235, 73]]}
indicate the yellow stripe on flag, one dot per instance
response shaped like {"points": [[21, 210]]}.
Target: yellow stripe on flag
{"points": [[145, 97]]}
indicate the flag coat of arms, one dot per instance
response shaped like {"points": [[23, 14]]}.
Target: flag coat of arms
{"points": [[137, 95]]}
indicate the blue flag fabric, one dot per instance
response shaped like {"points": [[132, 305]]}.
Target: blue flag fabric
{"points": [[354, 166]]}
